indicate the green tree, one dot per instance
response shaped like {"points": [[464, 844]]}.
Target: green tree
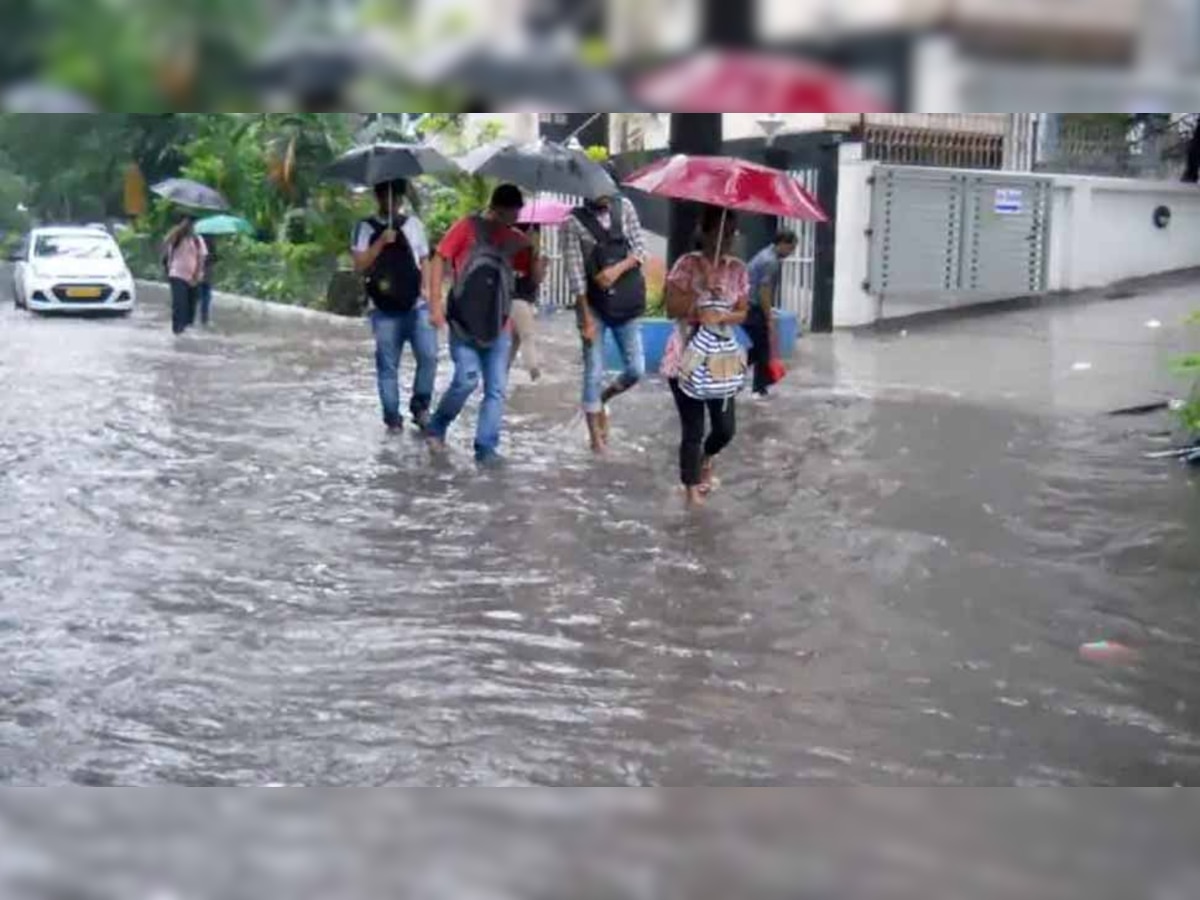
{"points": [[447, 200], [73, 165]]}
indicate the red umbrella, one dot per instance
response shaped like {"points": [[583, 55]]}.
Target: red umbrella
{"points": [[730, 183], [752, 82]]}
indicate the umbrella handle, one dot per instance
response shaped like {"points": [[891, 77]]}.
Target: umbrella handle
{"points": [[721, 239]]}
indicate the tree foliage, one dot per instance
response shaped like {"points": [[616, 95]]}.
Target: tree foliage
{"points": [[270, 167]]}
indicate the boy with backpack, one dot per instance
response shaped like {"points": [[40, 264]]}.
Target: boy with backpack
{"points": [[391, 252], [605, 252], [484, 252]]}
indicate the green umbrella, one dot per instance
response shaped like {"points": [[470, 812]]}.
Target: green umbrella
{"points": [[217, 225]]}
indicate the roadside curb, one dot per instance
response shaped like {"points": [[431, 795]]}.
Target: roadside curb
{"points": [[264, 308], [1125, 289]]}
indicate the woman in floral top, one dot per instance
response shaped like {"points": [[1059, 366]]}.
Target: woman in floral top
{"points": [[701, 292]]}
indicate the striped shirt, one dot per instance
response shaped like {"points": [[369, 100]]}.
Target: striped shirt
{"points": [[580, 244]]}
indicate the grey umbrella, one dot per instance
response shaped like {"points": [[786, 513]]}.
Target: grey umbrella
{"points": [[542, 166], [383, 162], [191, 193]]}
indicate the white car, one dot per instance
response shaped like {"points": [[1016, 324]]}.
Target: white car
{"points": [[72, 270]]}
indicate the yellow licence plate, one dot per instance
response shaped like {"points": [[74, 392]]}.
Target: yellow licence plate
{"points": [[83, 293]]}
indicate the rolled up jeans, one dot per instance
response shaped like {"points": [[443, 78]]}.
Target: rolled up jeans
{"points": [[183, 305], [633, 360]]}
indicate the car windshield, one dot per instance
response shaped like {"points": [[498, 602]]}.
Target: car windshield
{"points": [[75, 246]]}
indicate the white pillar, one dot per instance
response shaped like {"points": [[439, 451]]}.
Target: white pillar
{"points": [[853, 304]]}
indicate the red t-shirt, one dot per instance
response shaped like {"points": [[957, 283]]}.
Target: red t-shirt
{"points": [[456, 246]]}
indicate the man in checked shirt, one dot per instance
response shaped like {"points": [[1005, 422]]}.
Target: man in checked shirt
{"points": [[605, 251]]}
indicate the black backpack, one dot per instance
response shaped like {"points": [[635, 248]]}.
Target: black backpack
{"points": [[394, 283], [625, 300], [481, 302]]}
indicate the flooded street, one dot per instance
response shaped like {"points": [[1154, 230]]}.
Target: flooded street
{"points": [[218, 570]]}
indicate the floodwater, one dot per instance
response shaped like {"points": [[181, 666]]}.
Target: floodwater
{"points": [[217, 570]]}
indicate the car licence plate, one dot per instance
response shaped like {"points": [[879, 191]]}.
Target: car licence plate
{"points": [[83, 293]]}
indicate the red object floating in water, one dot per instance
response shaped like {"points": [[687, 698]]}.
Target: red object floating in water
{"points": [[1108, 652]]}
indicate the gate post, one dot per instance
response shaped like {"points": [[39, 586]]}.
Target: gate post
{"points": [[828, 160]]}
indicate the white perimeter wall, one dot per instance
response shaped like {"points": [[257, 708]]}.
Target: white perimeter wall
{"points": [[1102, 232]]}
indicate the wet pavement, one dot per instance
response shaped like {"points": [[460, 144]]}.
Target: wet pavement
{"points": [[217, 570]]}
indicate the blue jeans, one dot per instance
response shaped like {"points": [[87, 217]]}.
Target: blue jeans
{"points": [[633, 357], [392, 332], [472, 364]]}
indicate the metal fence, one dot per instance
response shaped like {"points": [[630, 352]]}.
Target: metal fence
{"points": [[799, 269], [902, 146], [1153, 153], [556, 289]]}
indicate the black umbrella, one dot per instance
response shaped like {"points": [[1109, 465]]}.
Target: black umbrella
{"points": [[191, 193], [383, 162], [542, 166]]}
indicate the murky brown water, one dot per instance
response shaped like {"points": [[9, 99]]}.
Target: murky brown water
{"points": [[218, 571]]}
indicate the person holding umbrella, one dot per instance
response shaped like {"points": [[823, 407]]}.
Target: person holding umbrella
{"points": [[391, 251], [484, 253], [185, 257], [708, 294], [605, 251], [213, 229], [204, 291], [184, 251], [545, 166]]}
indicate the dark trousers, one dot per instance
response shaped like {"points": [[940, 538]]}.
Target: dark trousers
{"points": [[759, 331], [183, 305], [694, 448], [204, 302]]}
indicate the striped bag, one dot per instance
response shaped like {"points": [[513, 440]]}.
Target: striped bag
{"points": [[713, 365]]}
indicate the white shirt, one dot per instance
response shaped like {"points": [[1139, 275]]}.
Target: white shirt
{"points": [[414, 231]]}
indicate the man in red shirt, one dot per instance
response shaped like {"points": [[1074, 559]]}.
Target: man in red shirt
{"points": [[484, 253]]}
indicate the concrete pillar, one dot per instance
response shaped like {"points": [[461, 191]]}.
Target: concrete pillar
{"points": [[696, 134], [730, 23]]}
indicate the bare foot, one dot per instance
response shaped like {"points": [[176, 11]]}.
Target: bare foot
{"points": [[597, 433], [708, 479], [696, 497], [604, 423], [436, 444]]}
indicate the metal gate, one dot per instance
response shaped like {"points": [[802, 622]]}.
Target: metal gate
{"points": [[942, 238], [799, 269], [556, 289]]}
